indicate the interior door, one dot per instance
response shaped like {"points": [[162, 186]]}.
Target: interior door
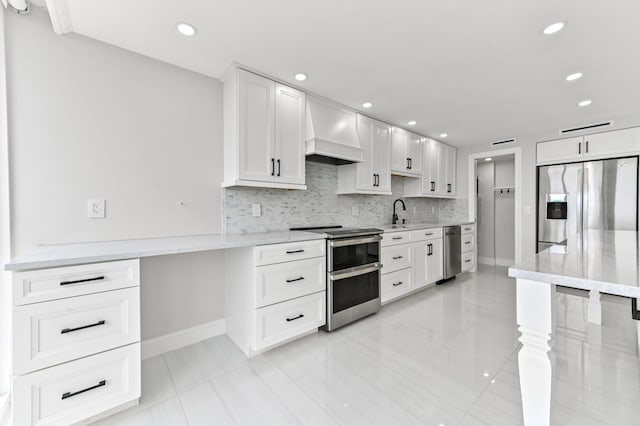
{"points": [[256, 118], [289, 135]]}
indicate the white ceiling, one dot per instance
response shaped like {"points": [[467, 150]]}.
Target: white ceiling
{"points": [[478, 70]]}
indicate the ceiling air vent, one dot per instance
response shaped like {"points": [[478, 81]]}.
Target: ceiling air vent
{"points": [[587, 127], [506, 141]]}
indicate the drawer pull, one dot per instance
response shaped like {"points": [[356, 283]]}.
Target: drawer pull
{"points": [[397, 238], [69, 330], [295, 251], [70, 394], [295, 318], [295, 279], [468, 260], [397, 284], [428, 233], [86, 280], [467, 242], [397, 257]]}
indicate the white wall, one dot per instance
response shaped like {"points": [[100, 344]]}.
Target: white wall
{"points": [[504, 205], [91, 120]]}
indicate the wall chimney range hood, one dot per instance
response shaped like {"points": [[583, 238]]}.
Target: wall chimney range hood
{"points": [[331, 133]]}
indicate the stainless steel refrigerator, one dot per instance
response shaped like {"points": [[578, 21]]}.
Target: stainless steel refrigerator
{"points": [[584, 196]]}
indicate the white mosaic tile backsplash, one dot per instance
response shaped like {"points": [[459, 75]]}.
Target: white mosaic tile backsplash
{"points": [[320, 205]]}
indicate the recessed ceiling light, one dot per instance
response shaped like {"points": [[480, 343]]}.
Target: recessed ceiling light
{"points": [[485, 374], [574, 76], [488, 159], [443, 135], [586, 102], [186, 29], [300, 76], [553, 28], [411, 123], [367, 105]]}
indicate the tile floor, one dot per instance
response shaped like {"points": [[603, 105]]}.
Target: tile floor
{"points": [[445, 356]]}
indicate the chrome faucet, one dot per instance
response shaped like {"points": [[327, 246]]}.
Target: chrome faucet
{"points": [[394, 219]]}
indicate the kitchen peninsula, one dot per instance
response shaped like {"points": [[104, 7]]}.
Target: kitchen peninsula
{"points": [[600, 262]]}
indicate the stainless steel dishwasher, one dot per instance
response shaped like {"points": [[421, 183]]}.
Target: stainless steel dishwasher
{"points": [[452, 253]]}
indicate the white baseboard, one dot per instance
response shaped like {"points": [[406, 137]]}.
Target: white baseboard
{"points": [[486, 260], [179, 339], [504, 262]]}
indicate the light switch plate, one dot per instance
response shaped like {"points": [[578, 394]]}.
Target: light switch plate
{"points": [[257, 210], [96, 208]]}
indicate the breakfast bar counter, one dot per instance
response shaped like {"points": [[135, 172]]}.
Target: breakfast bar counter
{"points": [[596, 261]]}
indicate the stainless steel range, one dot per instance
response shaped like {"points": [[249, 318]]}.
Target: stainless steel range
{"points": [[353, 273]]}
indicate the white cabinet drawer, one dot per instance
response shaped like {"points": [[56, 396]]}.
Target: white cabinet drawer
{"points": [[426, 234], [395, 284], [49, 284], [284, 281], [468, 229], [468, 261], [283, 321], [50, 333], [74, 391], [277, 253], [393, 238], [467, 243], [395, 258]]}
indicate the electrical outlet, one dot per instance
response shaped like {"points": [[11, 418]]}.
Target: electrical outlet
{"points": [[355, 211], [257, 210], [96, 208]]}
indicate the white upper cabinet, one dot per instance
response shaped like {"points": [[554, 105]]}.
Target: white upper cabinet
{"points": [[264, 131], [601, 145], [373, 175], [406, 154], [438, 177]]}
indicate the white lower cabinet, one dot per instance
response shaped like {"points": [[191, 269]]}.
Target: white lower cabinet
{"points": [[77, 390], [282, 321], [274, 293], [395, 284], [411, 260], [468, 247], [76, 342], [468, 261]]}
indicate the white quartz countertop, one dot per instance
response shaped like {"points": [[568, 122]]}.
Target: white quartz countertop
{"points": [[605, 261], [422, 225], [49, 256]]}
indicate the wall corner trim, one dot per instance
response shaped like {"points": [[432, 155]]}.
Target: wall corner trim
{"points": [[179, 339], [60, 16]]}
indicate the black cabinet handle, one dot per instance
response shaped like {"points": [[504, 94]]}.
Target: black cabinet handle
{"points": [[429, 249], [295, 318], [70, 394], [411, 163], [467, 242], [397, 238], [433, 186], [579, 147], [86, 280], [468, 260], [295, 279], [377, 180], [295, 251], [69, 330], [397, 257], [586, 146], [428, 233], [278, 167], [448, 187], [397, 284], [273, 167]]}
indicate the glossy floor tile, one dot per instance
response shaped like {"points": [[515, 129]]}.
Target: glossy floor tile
{"points": [[444, 356]]}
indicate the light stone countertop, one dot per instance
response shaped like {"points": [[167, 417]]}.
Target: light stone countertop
{"points": [[421, 225], [605, 261], [49, 256]]}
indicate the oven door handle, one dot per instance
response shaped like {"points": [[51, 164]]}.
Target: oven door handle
{"points": [[355, 271], [355, 241]]}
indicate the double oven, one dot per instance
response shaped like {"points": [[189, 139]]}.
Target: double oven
{"points": [[353, 274]]}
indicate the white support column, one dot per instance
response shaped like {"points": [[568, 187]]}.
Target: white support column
{"points": [[536, 303], [595, 308]]}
